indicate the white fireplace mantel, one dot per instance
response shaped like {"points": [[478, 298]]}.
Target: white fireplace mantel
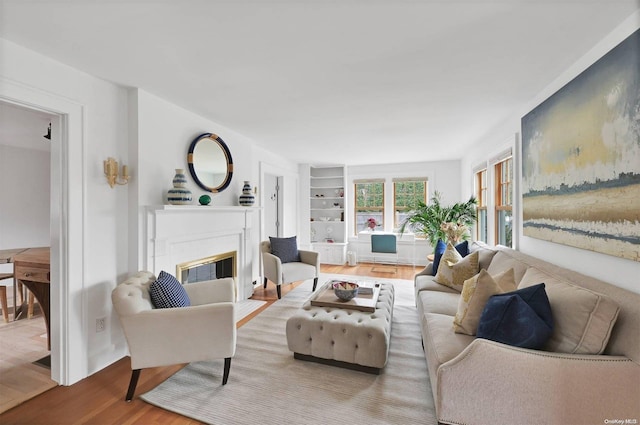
{"points": [[178, 233]]}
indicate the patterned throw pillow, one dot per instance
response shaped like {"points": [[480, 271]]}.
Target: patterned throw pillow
{"points": [[285, 248], [462, 248], [475, 294], [454, 269], [167, 292]]}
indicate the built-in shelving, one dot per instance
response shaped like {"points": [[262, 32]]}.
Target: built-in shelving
{"points": [[327, 209]]}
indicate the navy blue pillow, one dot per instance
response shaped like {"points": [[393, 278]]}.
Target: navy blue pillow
{"points": [[437, 255], [462, 248], [167, 292], [285, 248], [520, 318]]}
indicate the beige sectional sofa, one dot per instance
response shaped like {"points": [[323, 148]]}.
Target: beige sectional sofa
{"points": [[588, 373]]}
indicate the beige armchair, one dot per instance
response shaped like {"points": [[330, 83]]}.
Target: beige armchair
{"points": [[206, 330], [278, 272]]}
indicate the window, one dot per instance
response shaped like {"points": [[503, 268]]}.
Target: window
{"points": [[406, 192], [504, 201], [369, 203], [481, 195]]}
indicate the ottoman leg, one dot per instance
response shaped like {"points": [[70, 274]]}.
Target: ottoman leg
{"points": [[279, 289]]}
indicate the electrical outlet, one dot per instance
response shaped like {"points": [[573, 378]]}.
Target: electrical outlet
{"points": [[100, 324]]}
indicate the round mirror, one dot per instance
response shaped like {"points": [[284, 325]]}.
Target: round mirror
{"points": [[210, 162]]}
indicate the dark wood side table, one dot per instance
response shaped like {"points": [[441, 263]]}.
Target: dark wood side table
{"points": [[32, 268]]}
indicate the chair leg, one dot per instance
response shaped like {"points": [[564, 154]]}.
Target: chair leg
{"points": [[227, 367], [279, 290], [315, 283], [3, 301], [135, 374], [265, 283]]}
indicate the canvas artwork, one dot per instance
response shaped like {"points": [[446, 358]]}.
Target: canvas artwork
{"points": [[581, 158]]}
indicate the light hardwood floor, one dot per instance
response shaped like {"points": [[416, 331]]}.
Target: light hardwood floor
{"points": [[99, 399], [22, 342]]}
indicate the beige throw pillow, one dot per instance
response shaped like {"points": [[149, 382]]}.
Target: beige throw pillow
{"points": [[475, 294], [454, 269]]}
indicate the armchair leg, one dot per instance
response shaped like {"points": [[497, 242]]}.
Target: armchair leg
{"points": [[315, 283], [227, 367], [279, 289], [135, 374], [265, 283]]}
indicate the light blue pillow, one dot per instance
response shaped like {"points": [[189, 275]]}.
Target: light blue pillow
{"points": [[167, 292], [285, 248]]}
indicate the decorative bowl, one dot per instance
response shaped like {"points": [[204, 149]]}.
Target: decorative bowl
{"points": [[345, 290]]}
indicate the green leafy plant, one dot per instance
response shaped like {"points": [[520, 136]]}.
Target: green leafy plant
{"points": [[428, 219]]}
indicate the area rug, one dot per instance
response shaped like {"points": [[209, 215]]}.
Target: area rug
{"points": [[268, 386], [246, 307]]}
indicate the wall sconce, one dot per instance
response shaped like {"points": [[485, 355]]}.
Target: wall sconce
{"points": [[111, 172]]}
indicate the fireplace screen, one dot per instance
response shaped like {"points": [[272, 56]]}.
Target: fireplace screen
{"points": [[214, 267]]}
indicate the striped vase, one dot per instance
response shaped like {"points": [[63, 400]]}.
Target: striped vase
{"points": [[179, 195], [247, 198]]}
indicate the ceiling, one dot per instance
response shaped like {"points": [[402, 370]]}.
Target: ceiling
{"points": [[327, 81]]}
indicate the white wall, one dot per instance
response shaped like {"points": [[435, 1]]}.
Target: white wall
{"points": [[618, 271], [152, 136], [24, 210], [102, 224]]}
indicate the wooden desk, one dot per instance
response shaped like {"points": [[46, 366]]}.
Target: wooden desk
{"points": [[32, 268]]}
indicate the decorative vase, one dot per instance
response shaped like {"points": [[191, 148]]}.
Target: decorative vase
{"points": [[247, 198], [179, 195]]}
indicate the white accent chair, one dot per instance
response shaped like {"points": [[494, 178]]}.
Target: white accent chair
{"points": [[206, 330], [278, 272]]}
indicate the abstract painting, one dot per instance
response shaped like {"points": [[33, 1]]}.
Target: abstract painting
{"points": [[581, 158]]}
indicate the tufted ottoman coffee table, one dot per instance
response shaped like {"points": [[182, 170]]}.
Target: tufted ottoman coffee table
{"points": [[343, 337]]}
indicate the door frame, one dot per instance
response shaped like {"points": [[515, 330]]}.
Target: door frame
{"points": [[68, 315]]}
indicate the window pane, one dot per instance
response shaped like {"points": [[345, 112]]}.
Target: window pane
{"points": [[482, 225], [406, 194], [369, 204], [504, 228]]}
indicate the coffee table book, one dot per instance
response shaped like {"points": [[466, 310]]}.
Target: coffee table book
{"points": [[325, 297]]}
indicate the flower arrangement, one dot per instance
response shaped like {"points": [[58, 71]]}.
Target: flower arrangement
{"points": [[371, 223], [453, 230]]}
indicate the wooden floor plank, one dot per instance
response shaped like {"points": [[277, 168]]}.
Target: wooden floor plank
{"points": [[99, 399]]}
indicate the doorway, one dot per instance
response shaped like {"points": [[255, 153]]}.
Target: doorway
{"points": [[272, 205], [26, 138]]}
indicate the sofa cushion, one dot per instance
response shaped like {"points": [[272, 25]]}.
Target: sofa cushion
{"points": [[475, 294], [427, 283], [438, 302], [521, 318], [583, 318], [167, 292], [454, 269], [440, 343], [485, 253], [285, 248], [503, 261]]}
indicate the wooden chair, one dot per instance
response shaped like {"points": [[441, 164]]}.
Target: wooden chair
{"points": [[3, 295]]}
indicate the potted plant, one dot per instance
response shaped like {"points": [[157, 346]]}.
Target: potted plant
{"points": [[436, 221]]}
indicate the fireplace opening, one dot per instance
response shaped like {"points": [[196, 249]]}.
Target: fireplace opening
{"points": [[209, 268]]}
